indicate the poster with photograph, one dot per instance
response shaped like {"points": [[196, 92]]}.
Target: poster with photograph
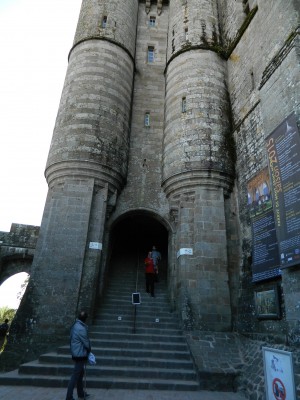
{"points": [[267, 303], [265, 255], [279, 374], [283, 150]]}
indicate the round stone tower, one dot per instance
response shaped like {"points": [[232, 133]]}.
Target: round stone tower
{"points": [[85, 171], [91, 135], [198, 161]]}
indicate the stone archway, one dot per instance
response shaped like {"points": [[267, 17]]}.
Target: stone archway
{"points": [[14, 264], [12, 290], [133, 235]]}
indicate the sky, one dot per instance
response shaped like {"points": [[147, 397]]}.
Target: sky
{"points": [[35, 39], [11, 291]]}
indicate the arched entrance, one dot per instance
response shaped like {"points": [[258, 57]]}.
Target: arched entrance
{"points": [[132, 237]]}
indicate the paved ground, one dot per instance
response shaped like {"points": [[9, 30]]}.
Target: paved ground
{"points": [[37, 393]]}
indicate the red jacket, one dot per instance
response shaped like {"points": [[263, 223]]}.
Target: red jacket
{"points": [[149, 266]]}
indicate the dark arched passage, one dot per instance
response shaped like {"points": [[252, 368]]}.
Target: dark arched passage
{"points": [[133, 236]]}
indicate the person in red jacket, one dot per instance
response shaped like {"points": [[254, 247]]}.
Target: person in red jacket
{"points": [[149, 274]]}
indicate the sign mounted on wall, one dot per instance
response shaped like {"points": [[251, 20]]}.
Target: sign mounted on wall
{"points": [[283, 150], [274, 207], [279, 374], [95, 245], [267, 303], [265, 254], [186, 251]]}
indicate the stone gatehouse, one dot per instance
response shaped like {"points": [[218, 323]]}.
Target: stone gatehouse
{"points": [[161, 125]]}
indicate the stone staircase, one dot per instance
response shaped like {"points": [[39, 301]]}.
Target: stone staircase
{"points": [[151, 353]]}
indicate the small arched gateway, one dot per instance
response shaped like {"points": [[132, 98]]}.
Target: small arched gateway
{"points": [[131, 237], [17, 249]]}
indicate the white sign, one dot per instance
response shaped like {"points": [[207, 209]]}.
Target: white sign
{"points": [[279, 374], [182, 251], [95, 245]]}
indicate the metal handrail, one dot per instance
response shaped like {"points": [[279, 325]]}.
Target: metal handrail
{"points": [[136, 291]]}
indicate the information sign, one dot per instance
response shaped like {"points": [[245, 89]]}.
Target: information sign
{"points": [[265, 254], [283, 149], [279, 374], [186, 251]]}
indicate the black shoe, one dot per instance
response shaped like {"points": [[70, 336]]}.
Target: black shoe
{"points": [[86, 395]]}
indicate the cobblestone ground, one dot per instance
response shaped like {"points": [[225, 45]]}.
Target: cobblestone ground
{"points": [[230, 353], [37, 393]]}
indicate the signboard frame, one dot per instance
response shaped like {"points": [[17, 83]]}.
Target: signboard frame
{"points": [[265, 253], [283, 153], [136, 298], [279, 374], [267, 304]]}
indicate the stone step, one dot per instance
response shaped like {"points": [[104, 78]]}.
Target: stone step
{"points": [[145, 301], [156, 356], [100, 382], [134, 353], [153, 323], [152, 304], [136, 338], [142, 313], [116, 294], [115, 327], [112, 360], [38, 368], [139, 344]]}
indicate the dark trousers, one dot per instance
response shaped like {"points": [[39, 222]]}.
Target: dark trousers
{"points": [[76, 380], [150, 279], [2, 340]]}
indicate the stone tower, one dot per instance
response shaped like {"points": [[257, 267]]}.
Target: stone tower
{"points": [[143, 133], [197, 166], [157, 110]]}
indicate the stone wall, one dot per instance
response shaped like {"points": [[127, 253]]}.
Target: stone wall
{"points": [[119, 28], [262, 94], [20, 236], [192, 24], [202, 288], [237, 71], [231, 362], [143, 186], [17, 249]]}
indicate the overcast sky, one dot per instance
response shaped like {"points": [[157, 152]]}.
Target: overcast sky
{"points": [[35, 39]]}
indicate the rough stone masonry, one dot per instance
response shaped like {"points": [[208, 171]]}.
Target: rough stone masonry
{"points": [[162, 121]]}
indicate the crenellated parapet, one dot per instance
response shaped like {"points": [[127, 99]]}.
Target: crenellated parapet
{"points": [[159, 4]]}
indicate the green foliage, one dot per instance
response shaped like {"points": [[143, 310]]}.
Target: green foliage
{"points": [[23, 288], [8, 313]]}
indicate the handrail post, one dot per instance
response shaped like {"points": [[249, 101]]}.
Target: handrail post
{"points": [[134, 319], [136, 299]]}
